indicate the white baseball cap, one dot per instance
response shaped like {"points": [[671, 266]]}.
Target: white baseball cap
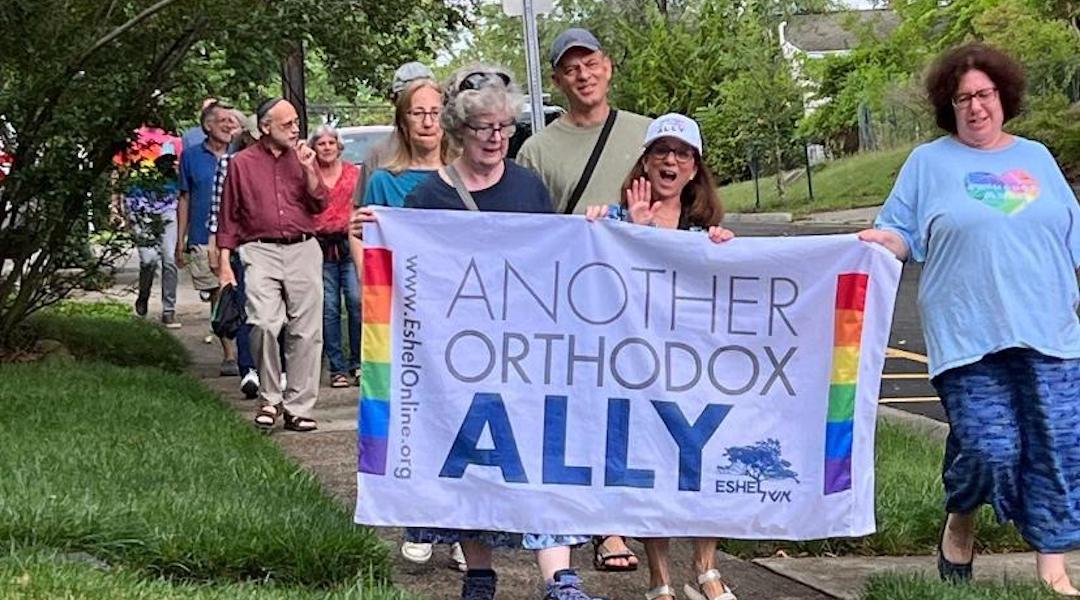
{"points": [[677, 126]]}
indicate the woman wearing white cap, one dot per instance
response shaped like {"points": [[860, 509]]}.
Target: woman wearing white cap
{"points": [[669, 186]]}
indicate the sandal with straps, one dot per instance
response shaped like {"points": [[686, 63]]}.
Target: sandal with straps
{"points": [[706, 577], [301, 424], [602, 557], [659, 592], [266, 416]]}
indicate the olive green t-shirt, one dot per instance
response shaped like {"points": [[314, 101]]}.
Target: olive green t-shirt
{"points": [[558, 155]]}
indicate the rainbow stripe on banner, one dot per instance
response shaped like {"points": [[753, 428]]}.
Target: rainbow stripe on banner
{"points": [[374, 416], [847, 337]]}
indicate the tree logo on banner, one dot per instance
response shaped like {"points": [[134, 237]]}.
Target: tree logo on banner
{"points": [[760, 462]]}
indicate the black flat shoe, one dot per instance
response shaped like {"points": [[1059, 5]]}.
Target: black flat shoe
{"points": [[949, 571]]}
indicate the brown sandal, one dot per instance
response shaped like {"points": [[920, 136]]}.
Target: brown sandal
{"points": [[339, 380], [301, 424], [266, 416]]}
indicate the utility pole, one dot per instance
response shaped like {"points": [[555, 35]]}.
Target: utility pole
{"points": [[527, 10], [293, 83]]}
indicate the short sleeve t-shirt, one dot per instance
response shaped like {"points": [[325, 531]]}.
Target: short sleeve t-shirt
{"points": [[387, 189], [999, 233], [519, 190], [558, 155]]}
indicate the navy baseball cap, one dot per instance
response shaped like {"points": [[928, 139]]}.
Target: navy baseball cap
{"points": [[575, 37]]}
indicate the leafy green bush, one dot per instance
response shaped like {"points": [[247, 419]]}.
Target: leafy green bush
{"points": [[1053, 122]]}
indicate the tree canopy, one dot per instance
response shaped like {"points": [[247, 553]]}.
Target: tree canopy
{"points": [[77, 77]]}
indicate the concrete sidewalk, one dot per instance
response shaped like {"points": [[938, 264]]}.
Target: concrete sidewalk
{"points": [[330, 453]]}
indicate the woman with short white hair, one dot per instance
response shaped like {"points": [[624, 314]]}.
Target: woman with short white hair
{"points": [[481, 105]]}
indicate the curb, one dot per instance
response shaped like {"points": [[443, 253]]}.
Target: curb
{"points": [[768, 217], [935, 429]]}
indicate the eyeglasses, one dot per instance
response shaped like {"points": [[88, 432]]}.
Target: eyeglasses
{"points": [[964, 100], [660, 152], [487, 131], [418, 115], [479, 79]]}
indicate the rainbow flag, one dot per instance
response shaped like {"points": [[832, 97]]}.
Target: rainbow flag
{"points": [[847, 337], [374, 415]]}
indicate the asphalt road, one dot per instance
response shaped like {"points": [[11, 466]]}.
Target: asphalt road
{"points": [[905, 384]]}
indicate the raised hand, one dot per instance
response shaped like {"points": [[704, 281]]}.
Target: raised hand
{"points": [[306, 155], [639, 202]]}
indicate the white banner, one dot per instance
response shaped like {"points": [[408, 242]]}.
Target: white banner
{"points": [[538, 373]]}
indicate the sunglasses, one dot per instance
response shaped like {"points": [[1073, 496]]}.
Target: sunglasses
{"points": [[479, 79]]}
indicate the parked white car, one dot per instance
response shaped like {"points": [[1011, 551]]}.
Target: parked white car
{"points": [[361, 139]]}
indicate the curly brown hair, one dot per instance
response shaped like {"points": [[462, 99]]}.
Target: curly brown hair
{"points": [[699, 194], [944, 76]]}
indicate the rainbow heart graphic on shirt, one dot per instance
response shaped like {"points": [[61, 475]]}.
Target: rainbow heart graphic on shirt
{"points": [[1009, 192]]}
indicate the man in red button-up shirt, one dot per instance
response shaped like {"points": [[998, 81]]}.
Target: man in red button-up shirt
{"points": [[272, 193]]}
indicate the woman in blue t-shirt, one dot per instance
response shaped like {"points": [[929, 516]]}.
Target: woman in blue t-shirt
{"points": [[998, 229], [418, 149]]}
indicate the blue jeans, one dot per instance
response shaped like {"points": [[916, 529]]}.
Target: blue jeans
{"points": [[243, 337], [339, 278]]}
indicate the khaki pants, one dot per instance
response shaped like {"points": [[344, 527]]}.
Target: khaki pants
{"points": [[284, 286]]}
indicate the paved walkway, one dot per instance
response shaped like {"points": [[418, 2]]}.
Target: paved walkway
{"points": [[330, 453]]}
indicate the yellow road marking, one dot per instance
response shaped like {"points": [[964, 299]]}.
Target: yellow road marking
{"points": [[908, 400], [913, 356], [904, 376]]}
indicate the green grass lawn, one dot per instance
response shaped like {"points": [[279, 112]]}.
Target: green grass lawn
{"points": [[912, 587], [108, 331], [860, 180], [909, 500], [146, 469], [33, 575], [147, 472]]}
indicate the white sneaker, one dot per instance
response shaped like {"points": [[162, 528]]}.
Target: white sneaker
{"points": [[417, 553], [249, 384], [458, 556]]}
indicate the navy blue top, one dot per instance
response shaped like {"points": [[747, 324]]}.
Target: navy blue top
{"points": [[197, 168], [519, 190]]}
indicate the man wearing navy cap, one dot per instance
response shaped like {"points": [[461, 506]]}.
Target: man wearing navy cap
{"points": [[560, 152]]}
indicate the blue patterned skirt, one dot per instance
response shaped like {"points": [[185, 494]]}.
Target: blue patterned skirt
{"points": [[493, 539], [1014, 443]]}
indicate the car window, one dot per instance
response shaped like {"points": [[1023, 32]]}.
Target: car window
{"points": [[358, 145]]}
